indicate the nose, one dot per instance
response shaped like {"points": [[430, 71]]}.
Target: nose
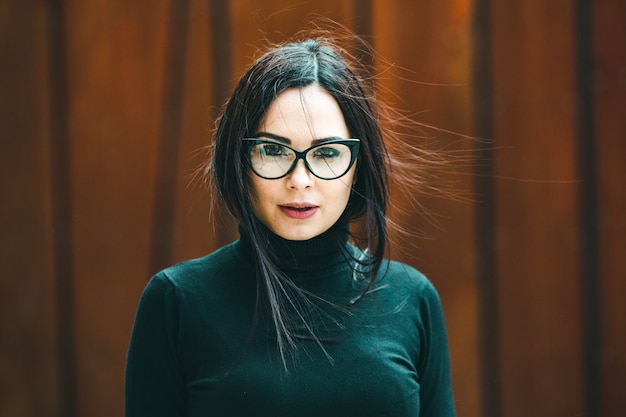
{"points": [[300, 177]]}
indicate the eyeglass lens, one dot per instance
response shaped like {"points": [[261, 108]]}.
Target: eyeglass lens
{"points": [[273, 160]]}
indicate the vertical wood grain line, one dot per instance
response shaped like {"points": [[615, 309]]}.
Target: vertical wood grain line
{"points": [[222, 65], [63, 255], [485, 213], [169, 137], [364, 27], [221, 42], [590, 266]]}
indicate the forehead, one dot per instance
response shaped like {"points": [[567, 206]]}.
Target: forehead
{"points": [[304, 115]]}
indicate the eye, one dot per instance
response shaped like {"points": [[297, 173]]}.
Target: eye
{"points": [[273, 150], [326, 152]]}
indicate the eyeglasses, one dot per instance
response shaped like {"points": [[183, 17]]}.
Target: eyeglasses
{"points": [[328, 160]]}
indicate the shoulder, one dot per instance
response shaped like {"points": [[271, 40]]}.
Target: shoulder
{"points": [[209, 274], [411, 286], [224, 260], [405, 276]]}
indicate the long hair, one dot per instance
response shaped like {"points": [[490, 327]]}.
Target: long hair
{"points": [[296, 65]]}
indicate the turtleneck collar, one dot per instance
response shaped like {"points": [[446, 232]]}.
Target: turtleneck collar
{"points": [[319, 257]]}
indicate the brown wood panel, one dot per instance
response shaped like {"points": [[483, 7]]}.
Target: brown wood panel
{"points": [[610, 133], [28, 350], [169, 133], [115, 78], [429, 44], [537, 219], [194, 233]]}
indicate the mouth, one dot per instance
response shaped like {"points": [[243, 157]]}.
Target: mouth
{"points": [[298, 210]]}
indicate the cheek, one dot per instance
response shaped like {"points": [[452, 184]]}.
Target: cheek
{"points": [[342, 193]]}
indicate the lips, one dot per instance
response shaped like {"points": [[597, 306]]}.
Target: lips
{"points": [[299, 210]]}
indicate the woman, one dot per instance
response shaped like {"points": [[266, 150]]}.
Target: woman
{"points": [[294, 319]]}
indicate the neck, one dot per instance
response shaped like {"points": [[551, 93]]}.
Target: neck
{"points": [[315, 257]]}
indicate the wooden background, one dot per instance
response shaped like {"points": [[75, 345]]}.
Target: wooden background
{"points": [[105, 104]]}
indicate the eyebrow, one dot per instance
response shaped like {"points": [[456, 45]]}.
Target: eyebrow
{"points": [[288, 141]]}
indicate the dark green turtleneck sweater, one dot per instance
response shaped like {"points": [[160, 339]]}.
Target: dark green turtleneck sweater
{"points": [[192, 352]]}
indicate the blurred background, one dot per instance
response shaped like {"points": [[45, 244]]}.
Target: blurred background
{"points": [[106, 107]]}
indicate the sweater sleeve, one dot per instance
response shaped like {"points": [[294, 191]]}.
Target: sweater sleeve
{"points": [[433, 363], [154, 384]]}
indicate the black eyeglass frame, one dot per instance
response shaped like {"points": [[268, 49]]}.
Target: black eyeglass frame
{"points": [[352, 143]]}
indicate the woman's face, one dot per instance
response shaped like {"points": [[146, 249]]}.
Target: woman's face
{"points": [[301, 206]]}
